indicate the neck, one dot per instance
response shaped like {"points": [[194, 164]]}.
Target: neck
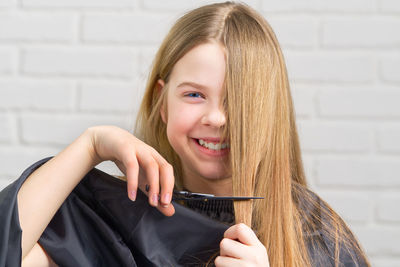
{"points": [[215, 186]]}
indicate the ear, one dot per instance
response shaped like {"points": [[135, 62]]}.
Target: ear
{"points": [[159, 87]]}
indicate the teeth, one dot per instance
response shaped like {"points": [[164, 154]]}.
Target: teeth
{"points": [[212, 146]]}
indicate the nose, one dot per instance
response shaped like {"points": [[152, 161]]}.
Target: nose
{"points": [[214, 116]]}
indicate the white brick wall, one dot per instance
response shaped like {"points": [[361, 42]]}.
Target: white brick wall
{"points": [[390, 68], [7, 60], [78, 61], [7, 3], [388, 138], [109, 97], [78, 3], [43, 128], [333, 137], [329, 66], [389, 6], [36, 27], [66, 65], [341, 6], [34, 94], [146, 28], [358, 172], [5, 128], [357, 32], [385, 206]]}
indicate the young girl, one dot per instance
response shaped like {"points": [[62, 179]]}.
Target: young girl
{"points": [[217, 118]]}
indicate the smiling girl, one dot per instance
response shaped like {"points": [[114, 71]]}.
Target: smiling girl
{"points": [[217, 117]]}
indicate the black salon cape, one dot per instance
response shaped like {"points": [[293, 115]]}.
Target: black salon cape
{"points": [[98, 225]]}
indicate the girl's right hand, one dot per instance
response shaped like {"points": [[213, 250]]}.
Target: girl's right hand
{"points": [[140, 163]]}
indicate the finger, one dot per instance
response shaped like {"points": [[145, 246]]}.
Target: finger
{"points": [[128, 164], [143, 183], [223, 261], [243, 233], [167, 180], [167, 211], [150, 165], [232, 248], [131, 167]]}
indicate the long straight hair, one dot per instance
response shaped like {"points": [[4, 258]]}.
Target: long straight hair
{"points": [[265, 158]]}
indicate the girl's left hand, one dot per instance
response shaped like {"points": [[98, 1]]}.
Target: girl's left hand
{"points": [[241, 247]]}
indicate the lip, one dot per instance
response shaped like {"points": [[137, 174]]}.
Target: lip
{"points": [[209, 152]]}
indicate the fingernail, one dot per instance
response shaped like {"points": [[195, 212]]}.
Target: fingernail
{"points": [[165, 199], [155, 199], [133, 195]]}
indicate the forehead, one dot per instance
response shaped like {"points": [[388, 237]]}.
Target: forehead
{"points": [[203, 64]]}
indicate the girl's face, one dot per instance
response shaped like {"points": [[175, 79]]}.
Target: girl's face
{"points": [[194, 112]]}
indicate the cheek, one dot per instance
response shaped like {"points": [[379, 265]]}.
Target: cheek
{"points": [[178, 127], [178, 130], [182, 118], [179, 124]]}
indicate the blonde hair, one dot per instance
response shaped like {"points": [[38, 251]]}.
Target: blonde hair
{"points": [[265, 158]]}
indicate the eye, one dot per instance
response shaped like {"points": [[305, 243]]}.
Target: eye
{"points": [[194, 94]]}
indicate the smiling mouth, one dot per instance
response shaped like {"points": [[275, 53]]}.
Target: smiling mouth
{"points": [[212, 146]]}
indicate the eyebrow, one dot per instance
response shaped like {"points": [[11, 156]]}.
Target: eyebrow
{"points": [[193, 84]]}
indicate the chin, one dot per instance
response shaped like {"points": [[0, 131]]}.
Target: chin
{"points": [[214, 176]]}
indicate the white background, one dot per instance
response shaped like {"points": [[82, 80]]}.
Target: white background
{"points": [[66, 65]]}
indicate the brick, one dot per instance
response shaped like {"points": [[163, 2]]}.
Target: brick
{"points": [[297, 33], [35, 94], [7, 58], [135, 28], [390, 6], [388, 138], [27, 27], [7, 3], [353, 207], [15, 159], [79, 3], [108, 96], [179, 5], [319, 5], [329, 67], [384, 262], [388, 207], [303, 99], [5, 128], [361, 32], [63, 129], [379, 240], [333, 137], [146, 57], [359, 102], [308, 165], [92, 61], [390, 69], [377, 173]]}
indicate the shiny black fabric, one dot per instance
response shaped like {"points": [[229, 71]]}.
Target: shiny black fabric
{"points": [[98, 225]]}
